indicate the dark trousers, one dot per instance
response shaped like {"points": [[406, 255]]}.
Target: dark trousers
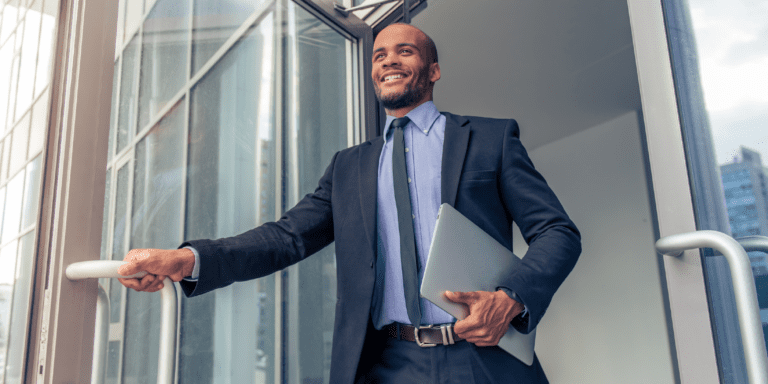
{"points": [[404, 362]]}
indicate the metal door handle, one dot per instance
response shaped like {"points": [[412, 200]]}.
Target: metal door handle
{"points": [[743, 287], [108, 268]]}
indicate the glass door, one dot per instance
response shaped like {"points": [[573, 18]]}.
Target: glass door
{"points": [[702, 84], [222, 115], [718, 55]]}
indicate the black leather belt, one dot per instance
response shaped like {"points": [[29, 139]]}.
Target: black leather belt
{"points": [[424, 336]]}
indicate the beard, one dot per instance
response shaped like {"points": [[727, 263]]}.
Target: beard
{"points": [[396, 100]]}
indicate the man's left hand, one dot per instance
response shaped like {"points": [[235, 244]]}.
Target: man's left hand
{"points": [[489, 315]]}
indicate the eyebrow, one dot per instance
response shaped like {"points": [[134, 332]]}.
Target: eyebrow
{"points": [[398, 46]]}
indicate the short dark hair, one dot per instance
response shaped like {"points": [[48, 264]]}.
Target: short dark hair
{"points": [[431, 47]]}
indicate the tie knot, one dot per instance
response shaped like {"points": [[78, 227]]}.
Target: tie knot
{"points": [[400, 122]]}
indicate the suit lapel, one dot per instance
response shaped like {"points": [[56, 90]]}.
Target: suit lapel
{"points": [[454, 150], [368, 178]]}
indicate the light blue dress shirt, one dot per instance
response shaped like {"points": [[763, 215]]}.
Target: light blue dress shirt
{"points": [[423, 138]]}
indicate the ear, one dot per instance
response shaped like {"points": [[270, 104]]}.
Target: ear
{"points": [[434, 72]]}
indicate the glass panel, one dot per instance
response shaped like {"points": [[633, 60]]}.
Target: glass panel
{"points": [[6, 156], [105, 217], [22, 287], [6, 59], [12, 214], [718, 52], [157, 184], [156, 223], [230, 189], [113, 112], [163, 57], [31, 193], [2, 205], [28, 58], [127, 113], [113, 362], [214, 22], [7, 272], [316, 65], [45, 51], [12, 85], [118, 240], [39, 124], [20, 143], [10, 13]]}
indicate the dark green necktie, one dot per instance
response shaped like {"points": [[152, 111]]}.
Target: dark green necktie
{"points": [[405, 223]]}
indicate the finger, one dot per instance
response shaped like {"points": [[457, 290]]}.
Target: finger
{"points": [[129, 283], [146, 282], [464, 327], [128, 269], [461, 297], [157, 285]]}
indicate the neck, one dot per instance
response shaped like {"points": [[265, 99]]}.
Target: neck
{"points": [[400, 112]]}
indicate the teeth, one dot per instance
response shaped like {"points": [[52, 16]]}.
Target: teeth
{"points": [[392, 77]]}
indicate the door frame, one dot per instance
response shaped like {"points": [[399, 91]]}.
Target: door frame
{"points": [[692, 336]]}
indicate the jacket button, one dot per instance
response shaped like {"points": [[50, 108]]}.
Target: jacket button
{"points": [[371, 264]]}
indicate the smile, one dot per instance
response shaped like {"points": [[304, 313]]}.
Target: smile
{"points": [[392, 77]]}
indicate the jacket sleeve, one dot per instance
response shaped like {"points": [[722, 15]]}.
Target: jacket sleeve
{"points": [[554, 242], [303, 230]]}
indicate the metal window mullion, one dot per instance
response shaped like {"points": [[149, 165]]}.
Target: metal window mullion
{"points": [[233, 39], [120, 325], [349, 59], [184, 175], [278, 81]]}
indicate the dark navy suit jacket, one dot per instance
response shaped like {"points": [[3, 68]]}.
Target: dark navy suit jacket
{"points": [[486, 175]]}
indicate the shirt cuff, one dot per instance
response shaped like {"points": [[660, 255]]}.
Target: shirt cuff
{"points": [[512, 295], [195, 271]]}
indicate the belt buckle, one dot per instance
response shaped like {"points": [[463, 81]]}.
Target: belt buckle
{"points": [[445, 329]]}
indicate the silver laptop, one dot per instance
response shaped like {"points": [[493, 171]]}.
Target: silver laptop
{"points": [[463, 258]]}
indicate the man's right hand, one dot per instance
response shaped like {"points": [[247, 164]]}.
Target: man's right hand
{"points": [[158, 263]]}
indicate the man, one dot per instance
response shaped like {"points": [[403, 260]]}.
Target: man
{"points": [[380, 210]]}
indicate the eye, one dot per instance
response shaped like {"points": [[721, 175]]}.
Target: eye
{"points": [[405, 50]]}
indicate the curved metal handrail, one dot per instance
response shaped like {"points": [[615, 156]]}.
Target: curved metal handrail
{"points": [[754, 243], [108, 268], [744, 290]]}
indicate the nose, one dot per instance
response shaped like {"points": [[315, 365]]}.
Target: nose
{"points": [[390, 60]]}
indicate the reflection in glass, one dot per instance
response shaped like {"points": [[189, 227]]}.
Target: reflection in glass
{"points": [[12, 215], [719, 59], [214, 22], [112, 113], [7, 273], [105, 217], [20, 143], [22, 288], [127, 111], [157, 182], [31, 193], [118, 240], [163, 57], [316, 72], [45, 51], [28, 58], [12, 85], [38, 128], [228, 335], [6, 59]]}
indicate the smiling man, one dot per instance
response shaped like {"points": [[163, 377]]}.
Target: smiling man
{"points": [[378, 201]]}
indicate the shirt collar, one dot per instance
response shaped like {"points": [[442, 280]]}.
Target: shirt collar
{"points": [[424, 116]]}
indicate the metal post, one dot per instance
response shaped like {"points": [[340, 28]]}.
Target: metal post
{"points": [[108, 268], [100, 337], [744, 290]]}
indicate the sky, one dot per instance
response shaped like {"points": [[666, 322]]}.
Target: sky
{"points": [[732, 44]]}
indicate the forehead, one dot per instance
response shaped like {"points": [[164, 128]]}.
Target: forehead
{"points": [[399, 34]]}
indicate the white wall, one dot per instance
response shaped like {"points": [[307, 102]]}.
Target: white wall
{"points": [[607, 322]]}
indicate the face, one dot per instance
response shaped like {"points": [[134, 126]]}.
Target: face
{"points": [[402, 76]]}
